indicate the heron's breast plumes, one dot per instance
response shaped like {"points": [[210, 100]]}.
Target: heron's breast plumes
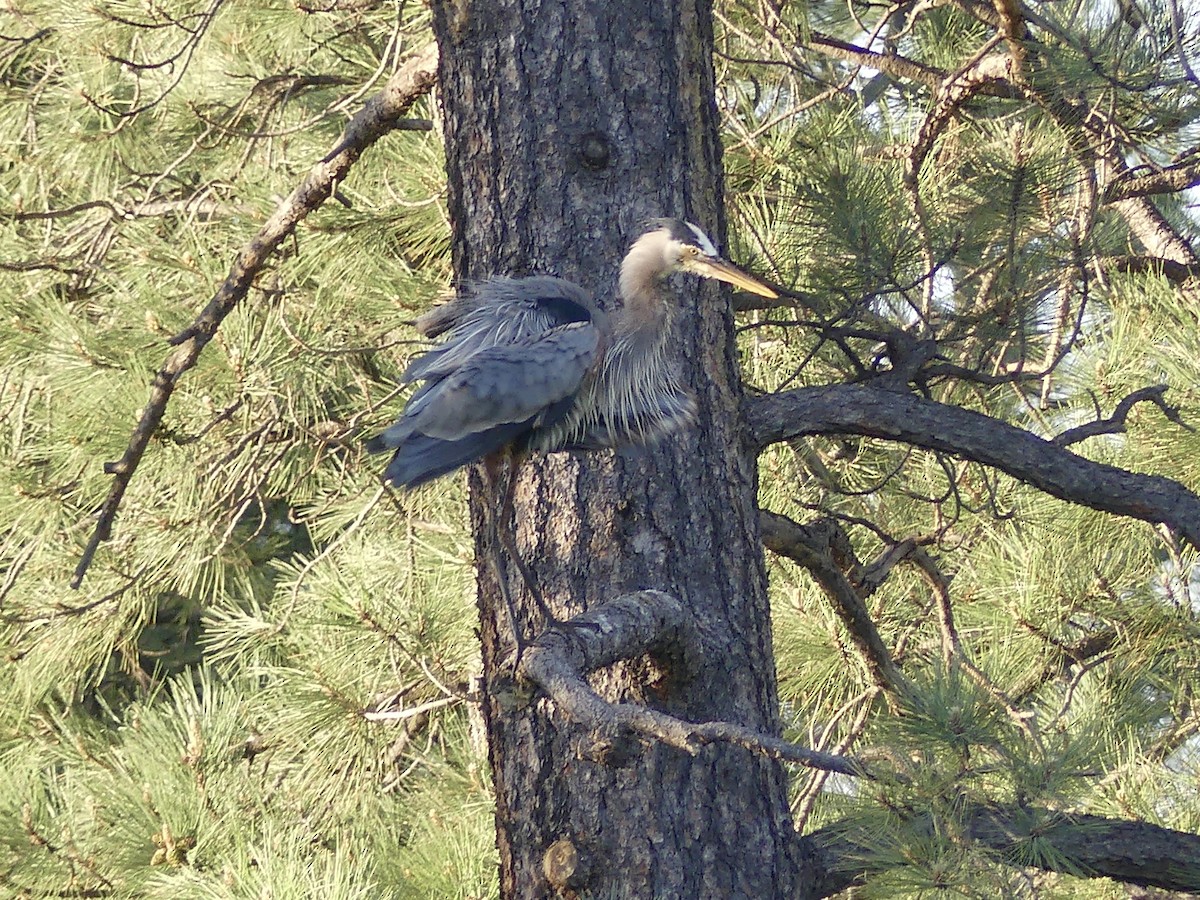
{"points": [[633, 397]]}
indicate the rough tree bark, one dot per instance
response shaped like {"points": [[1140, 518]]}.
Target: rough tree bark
{"points": [[560, 142]]}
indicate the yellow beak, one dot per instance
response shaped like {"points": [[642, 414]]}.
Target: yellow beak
{"points": [[715, 267]]}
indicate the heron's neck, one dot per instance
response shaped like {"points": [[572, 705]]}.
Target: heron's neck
{"points": [[645, 295]]}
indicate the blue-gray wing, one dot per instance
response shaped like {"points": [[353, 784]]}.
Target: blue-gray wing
{"points": [[515, 353], [497, 312], [498, 396], [515, 382]]}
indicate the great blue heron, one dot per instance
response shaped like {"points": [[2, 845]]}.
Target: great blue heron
{"points": [[535, 364]]}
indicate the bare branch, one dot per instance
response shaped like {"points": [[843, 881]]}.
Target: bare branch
{"points": [[1168, 180], [810, 547], [560, 659], [899, 67], [1155, 232], [744, 301], [1170, 269], [199, 203], [1012, 26], [378, 117], [853, 409], [328, 6], [1115, 424], [958, 87]]}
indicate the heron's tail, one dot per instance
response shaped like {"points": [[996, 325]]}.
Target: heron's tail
{"points": [[420, 458]]}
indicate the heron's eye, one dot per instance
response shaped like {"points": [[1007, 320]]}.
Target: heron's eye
{"points": [[690, 252]]}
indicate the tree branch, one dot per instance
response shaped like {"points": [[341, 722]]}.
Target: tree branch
{"points": [[379, 116], [1115, 424], [1168, 180], [1085, 127], [809, 546], [1076, 844], [1175, 272], [629, 626], [1089, 130], [898, 67], [853, 409], [1062, 656]]}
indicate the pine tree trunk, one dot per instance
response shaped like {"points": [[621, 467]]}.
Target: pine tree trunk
{"points": [[567, 126]]}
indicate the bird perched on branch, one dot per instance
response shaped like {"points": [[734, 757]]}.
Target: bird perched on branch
{"points": [[532, 364]]}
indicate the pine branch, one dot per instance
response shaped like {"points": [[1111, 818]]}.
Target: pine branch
{"points": [[1062, 656], [810, 548], [1115, 424], [1088, 129], [852, 409], [559, 661], [378, 117], [1076, 844], [1175, 272], [1168, 180]]}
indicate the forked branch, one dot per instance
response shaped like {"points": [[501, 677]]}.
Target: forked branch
{"points": [[1115, 424], [808, 546]]}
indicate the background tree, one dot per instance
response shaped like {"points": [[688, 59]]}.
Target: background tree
{"points": [[265, 684]]}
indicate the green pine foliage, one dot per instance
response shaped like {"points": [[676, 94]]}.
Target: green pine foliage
{"points": [[261, 688]]}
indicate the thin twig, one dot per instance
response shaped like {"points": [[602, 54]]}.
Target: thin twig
{"points": [[1115, 424]]}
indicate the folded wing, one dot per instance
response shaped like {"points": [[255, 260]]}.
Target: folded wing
{"points": [[516, 356]]}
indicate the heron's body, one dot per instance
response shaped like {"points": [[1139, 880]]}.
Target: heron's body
{"points": [[536, 364]]}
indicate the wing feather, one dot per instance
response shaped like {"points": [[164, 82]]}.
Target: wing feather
{"points": [[494, 313], [515, 356], [510, 383]]}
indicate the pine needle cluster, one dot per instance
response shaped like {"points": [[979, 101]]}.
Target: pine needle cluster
{"points": [[262, 688]]}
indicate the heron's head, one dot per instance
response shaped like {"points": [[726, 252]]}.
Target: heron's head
{"points": [[685, 248]]}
